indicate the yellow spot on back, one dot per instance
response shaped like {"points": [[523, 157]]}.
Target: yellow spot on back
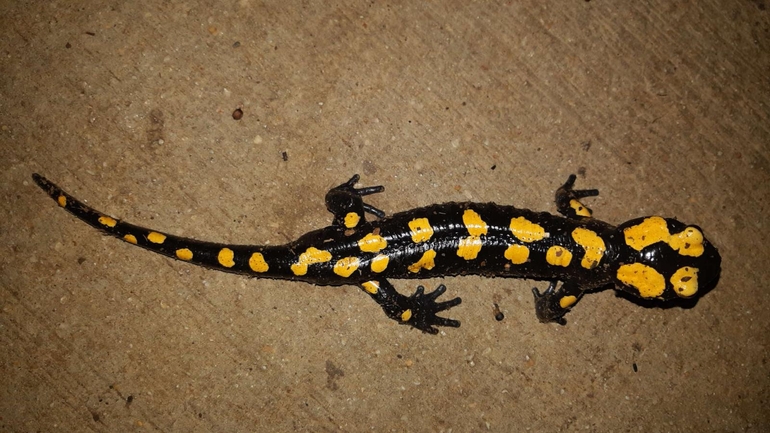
{"points": [[352, 219], [346, 266], [225, 257], [579, 209], [406, 315], [62, 200], [380, 263], [130, 239], [649, 282], [689, 242], [470, 247], [567, 301], [685, 281], [421, 230], [309, 257], [646, 233], [592, 244], [257, 263], [473, 222], [558, 256], [517, 254], [425, 262], [371, 287], [107, 221], [156, 238], [527, 231], [184, 254], [372, 243]]}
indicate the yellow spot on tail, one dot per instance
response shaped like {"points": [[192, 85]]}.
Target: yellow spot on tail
{"points": [[649, 282], [406, 315], [62, 200], [421, 230], [470, 247], [517, 254], [309, 257], [527, 231], [107, 221], [685, 281], [130, 239], [225, 257], [346, 266], [579, 209], [184, 254], [380, 263], [156, 238], [372, 243], [592, 244], [425, 262], [567, 301], [558, 256], [371, 287], [257, 263], [688, 243], [352, 219], [650, 231]]}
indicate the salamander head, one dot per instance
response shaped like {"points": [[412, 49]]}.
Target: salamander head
{"points": [[662, 258]]}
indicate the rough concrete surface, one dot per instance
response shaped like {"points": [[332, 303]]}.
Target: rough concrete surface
{"points": [[663, 106]]}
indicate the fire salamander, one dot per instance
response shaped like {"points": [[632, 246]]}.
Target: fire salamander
{"points": [[649, 257]]}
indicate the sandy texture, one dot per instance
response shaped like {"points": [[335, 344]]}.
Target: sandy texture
{"points": [[663, 106]]}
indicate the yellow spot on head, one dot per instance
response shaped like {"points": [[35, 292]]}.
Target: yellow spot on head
{"points": [[371, 287], [406, 315], [107, 221], [649, 282], [352, 219], [346, 266], [517, 254], [225, 257], [650, 231], [579, 209], [156, 238], [527, 231], [257, 263], [62, 200], [184, 254], [689, 242], [380, 263], [558, 256], [130, 239], [592, 244], [372, 243], [309, 257], [567, 301], [426, 262], [421, 230], [685, 281]]}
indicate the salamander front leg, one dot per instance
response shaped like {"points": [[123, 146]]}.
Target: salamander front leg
{"points": [[552, 305], [418, 310], [346, 203], [568, 200]]}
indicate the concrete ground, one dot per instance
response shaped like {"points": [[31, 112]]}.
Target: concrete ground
{"points": [[663, 106]]}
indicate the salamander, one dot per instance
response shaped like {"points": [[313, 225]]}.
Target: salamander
{"points": [[649, 257]]}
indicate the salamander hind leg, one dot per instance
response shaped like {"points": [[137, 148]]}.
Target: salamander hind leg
{"points": [[552, 305], [568, 200], [346, 203], [418, 310]]}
